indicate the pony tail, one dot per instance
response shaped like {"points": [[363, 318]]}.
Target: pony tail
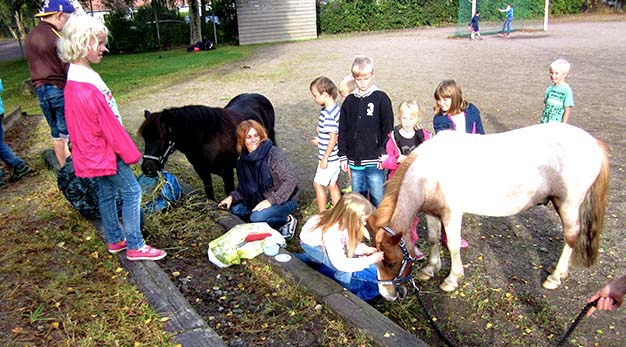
{"points": [[592, 217]]}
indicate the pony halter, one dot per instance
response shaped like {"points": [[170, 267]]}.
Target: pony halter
{"points": [[407, 259], [161, 159]]}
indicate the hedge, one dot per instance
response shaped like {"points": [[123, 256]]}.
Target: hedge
{"points": [[339, 16]]}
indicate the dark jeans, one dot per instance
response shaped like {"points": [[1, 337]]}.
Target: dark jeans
{"points": [[276, 215]]}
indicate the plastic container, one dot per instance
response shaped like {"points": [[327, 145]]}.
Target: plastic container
{"points": [[271, 249]]}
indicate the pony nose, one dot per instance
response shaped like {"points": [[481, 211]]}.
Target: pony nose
{"points": [[402, 292], [148, 169]]}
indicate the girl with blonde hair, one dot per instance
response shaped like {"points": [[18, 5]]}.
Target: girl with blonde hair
{"points": [[403, 139], [101, 147], [334, 240]]}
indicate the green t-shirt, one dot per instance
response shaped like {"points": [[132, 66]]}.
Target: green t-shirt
{"points": [[557, 98]]}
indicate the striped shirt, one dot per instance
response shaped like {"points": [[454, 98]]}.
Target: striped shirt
{"points": [[328, 122]]}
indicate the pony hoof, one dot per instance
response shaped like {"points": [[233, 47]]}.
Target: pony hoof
{"points": [[551, 283], [448, 286], [423, 276]]}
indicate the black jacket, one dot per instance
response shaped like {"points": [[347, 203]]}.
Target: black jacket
{"points": [[365, 122]]}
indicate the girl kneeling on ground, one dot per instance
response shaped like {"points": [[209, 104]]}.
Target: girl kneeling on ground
{"points": [[333, 239]]}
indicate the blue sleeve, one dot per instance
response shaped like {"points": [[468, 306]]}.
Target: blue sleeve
{"points": [[478, 123], [441, 122]]}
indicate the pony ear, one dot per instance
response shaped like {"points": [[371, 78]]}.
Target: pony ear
{"points": [[146, 114], [379, 237], [396, 238]]}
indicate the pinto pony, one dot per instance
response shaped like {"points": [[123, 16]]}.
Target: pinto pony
{"points": [[492, 175], [206, 135]]}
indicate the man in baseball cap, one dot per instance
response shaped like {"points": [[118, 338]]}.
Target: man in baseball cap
{"points": [[51, 7], [48, 73]]}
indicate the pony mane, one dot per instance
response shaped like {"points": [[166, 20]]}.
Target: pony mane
{"points": [[385, 209], [152, 118], [207, 119]]}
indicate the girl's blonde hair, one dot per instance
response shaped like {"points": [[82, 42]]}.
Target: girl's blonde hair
{"points": [[413, 108], [242, 131], [350, 213], [450, 89], [77, 35], [346, 86]]}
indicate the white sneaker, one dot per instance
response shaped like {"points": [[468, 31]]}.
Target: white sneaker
{"points": [[289, 229]]}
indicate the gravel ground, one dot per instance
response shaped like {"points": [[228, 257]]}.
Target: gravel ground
{"points": [[506, 79]]}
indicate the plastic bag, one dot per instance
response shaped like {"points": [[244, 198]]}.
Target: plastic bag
{"points": [[231, 247]]}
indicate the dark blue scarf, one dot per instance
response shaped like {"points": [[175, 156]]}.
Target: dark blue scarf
{"points": [[253, 173]]}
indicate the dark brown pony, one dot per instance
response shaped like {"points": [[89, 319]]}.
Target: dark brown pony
{"points": [[206, 135], [493, 175]]}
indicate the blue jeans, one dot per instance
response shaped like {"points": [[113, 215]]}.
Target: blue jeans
{"points": [[507, 25], [370, 179], [276, 215], [363, 284], [6, 154], [125, 184], [52, 103]]}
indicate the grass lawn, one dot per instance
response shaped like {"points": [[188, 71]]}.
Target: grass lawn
{"points": [[126, 74]]}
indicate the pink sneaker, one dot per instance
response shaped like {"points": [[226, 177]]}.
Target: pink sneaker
{"points": [[444, 240], [419, 255], [115, 248], [145, 253]]}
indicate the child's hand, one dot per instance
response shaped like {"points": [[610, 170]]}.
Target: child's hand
{"points": [[376, 257], [401, 158], [315, 141], [370, 250], [324, 163], [344, 165]]}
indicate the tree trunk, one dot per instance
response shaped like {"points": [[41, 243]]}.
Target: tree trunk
{"points": [[20, 27], [195, 27]]}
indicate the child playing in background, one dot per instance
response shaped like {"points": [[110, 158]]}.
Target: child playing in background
{"points": [[366, 119], [324, 93], [506, 27], [20, 169], [403, 139], [101, 147], [333, 239], [474, 27], [559, 98], [453, 112]]}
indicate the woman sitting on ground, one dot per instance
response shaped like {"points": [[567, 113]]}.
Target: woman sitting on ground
{"points": [[268, 185]]}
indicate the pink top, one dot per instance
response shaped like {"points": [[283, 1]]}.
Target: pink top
{"points": [[393, 152], [96, 132]]}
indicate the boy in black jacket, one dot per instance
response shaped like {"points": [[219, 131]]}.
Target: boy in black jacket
{"points": [[366, 119]]}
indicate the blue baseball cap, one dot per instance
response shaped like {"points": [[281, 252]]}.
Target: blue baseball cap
{"points": [[51, 7]]}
